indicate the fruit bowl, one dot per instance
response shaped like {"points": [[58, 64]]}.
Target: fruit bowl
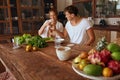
{"points": [[81, 73]]}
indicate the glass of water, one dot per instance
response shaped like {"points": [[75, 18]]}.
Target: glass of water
{"points": [[57, 43], [15, 43]]}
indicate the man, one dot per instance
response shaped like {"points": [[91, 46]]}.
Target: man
{"points": [[78, 29]]}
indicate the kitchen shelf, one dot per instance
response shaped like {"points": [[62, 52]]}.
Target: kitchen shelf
{"points": [[20, 16], [107, 27], [23, 16]]}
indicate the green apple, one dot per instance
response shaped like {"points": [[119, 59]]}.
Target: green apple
{"points": [[77, 60], [84, 61]]}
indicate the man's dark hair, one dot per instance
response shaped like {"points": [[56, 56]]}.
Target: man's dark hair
{"points": [[72, 10]]}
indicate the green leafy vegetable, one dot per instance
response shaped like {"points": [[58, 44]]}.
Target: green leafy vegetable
{"points": [[37, 41], [26, 36], [19, 40]]}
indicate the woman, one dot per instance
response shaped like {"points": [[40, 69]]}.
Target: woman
{"points": [[78, 29], [51, 26]]}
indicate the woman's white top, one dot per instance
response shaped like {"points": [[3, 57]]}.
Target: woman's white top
{"points": [[59, 27]]}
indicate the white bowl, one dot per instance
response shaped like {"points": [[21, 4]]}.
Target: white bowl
{"points": [[63, 53]]}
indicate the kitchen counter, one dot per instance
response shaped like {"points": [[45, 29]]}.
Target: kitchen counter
{"points": [[107, 27], [38, 65]]}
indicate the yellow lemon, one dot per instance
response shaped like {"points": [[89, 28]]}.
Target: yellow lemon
{"points": [[34, 48], [81, 66], [28, 48]]}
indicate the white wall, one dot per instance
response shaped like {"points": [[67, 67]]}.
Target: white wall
{"points": [[61, 4]]}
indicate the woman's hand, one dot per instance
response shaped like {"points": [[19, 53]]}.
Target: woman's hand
{"points": [[48, 24], [49, 33], [53, 26], [52, 33]]}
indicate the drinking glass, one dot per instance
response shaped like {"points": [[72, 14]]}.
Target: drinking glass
{"points": [[57, 43], [15, 43]]}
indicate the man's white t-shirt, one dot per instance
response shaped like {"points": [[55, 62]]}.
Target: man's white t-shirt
{"points": [[59, 27], [78, 33]]}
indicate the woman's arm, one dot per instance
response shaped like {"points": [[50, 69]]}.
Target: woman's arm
{"points": [[91, 35], [49, 33], [40, 31]]}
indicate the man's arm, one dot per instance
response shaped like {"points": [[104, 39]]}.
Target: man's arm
{"points": [[40, 31], [63, 34], [91, 35]]}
